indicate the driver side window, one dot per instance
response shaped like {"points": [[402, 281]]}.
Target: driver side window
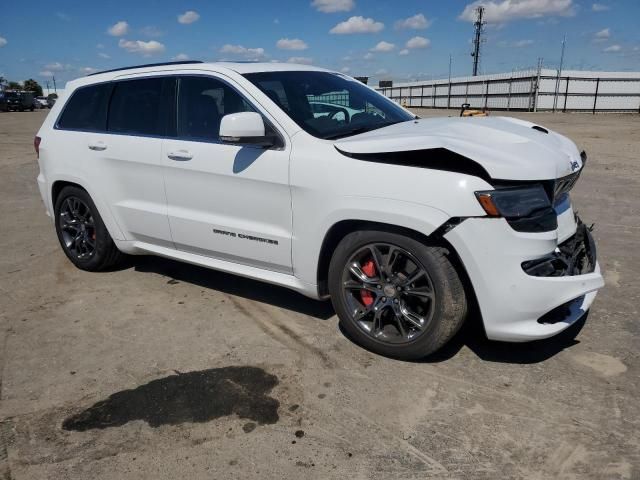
{"points": [[202, 102]]}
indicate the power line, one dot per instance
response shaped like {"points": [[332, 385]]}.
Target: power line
{"points": [[477, 39]]}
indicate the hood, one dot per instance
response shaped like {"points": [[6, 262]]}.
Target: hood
{"points": [[507, 148]]}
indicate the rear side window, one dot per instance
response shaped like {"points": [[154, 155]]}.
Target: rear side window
{"points": [[137, 107], [86, 109]]}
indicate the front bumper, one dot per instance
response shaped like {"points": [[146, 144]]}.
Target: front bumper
{"points": [[517, 306]]}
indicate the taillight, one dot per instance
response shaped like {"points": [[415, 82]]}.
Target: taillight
{"points": [[36, 145]]}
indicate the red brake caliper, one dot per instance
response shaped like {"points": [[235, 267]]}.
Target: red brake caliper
{"points": [[369, 269]]}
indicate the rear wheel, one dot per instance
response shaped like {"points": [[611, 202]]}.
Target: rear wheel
{"points": [[82, 233], [395, 295]]}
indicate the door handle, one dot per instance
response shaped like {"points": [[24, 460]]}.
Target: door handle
{"points": [[180, 156], [98, 146]]}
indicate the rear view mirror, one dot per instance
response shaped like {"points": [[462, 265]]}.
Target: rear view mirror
{"points": [[245, 128]]}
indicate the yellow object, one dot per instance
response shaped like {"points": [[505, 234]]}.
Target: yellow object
{"points": [[474, 113]]}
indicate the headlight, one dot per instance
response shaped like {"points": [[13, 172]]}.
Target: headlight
{"points": [[514, 202]]}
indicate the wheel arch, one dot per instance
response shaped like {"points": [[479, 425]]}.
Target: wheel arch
{"points": [[103, 209], [344, 227]]}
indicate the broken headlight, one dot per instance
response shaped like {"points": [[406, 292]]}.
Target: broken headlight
{"points": [[526, 208]]}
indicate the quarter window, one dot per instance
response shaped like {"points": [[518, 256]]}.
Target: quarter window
{"points": [[202, 102], [136, 107], [86, 109]]}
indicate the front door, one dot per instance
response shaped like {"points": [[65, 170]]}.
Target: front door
{"points": [[230, 202]]}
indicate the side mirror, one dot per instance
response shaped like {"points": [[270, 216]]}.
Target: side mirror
{"points": [[245, 128]]}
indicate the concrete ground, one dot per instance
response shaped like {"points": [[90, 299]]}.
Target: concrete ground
{"points": [[103, 374]]}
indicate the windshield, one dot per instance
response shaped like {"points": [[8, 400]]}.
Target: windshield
{"points": [[328, 105]]}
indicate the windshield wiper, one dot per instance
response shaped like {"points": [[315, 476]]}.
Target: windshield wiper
{"points": [[357, 130]]}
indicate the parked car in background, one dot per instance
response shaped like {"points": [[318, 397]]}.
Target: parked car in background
{"points": [[51, 100], [42, 102], [308, 179], [17, 101]]}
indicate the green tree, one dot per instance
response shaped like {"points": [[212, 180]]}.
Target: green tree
{"points": [[32, 86], [14, 85]]}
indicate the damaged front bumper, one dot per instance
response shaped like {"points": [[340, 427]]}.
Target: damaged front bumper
{"points": [[575, 256], [527, 285]]}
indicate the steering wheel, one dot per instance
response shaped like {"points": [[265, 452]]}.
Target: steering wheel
{"points": [[340, 110]]}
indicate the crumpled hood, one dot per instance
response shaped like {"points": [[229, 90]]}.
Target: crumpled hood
{"points": [[507, 148]]}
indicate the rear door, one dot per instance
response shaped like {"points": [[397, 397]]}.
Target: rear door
{"points": [[230, 202], [126, 160]]}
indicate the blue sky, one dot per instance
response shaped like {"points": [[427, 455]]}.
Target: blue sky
{"points": [[400, 39]]}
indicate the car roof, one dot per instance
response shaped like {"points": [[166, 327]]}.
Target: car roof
{"points": [[221, 67]]}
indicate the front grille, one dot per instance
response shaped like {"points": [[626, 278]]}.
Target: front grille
{"points": [[565, 184]]}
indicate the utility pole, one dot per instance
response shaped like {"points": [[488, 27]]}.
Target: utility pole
{"points": [[555, 96], [537, 87], [55, 89], [477, 39], [449, 92], [46, 82]]}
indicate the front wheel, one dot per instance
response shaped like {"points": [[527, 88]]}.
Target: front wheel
{"points": [[395, 295]]}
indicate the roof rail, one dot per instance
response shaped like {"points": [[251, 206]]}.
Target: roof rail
{"points": [[185, 62]]}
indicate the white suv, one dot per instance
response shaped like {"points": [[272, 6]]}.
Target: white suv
{"points": [[308, 179]]}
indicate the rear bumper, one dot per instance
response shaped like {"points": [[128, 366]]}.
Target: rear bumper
{"points": [[512, 302]]}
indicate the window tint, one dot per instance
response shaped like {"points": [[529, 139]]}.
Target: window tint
{"points": [[86, 109], [202, 102], [328, 105], [136, 107]]}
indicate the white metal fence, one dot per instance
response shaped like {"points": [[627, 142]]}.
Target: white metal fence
{"points": [[530, 90]]}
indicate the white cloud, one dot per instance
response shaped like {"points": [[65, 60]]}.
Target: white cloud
{"points": [[88, 70], [345, 70], [332, 6], [613, 49], [46, 73], [100, 46], [416, 22], [599, 7], [301, 60], [144, 48], [403, 52], [368, 56], [248, 53], [500, 11], [188, 17], [603, 35], [382, 71], [3, 42], [418, 42], [291, 44], [119, 29], [63, 16], [523, 43], [181, 57], [357, 25], [104, 55], [383, 47]]}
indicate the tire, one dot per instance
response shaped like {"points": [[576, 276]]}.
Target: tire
{"points": [[416, 319], [98, 252]]}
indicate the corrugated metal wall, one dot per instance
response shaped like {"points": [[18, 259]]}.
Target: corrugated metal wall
{"points": [[529, 90]]}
